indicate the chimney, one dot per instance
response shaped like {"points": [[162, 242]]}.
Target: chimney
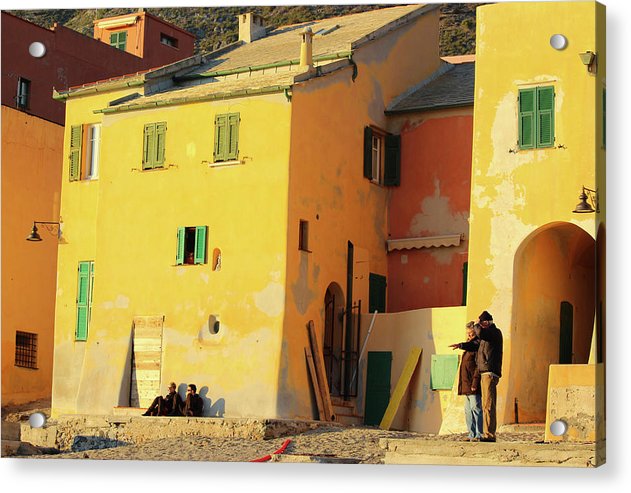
{"points": [[251, 27], [306, 49]]}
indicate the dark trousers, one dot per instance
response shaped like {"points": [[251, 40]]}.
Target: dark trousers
{"points": [[158, 407]]}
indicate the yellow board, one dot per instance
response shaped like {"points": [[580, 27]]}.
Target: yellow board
{"points": [[402, 385]]}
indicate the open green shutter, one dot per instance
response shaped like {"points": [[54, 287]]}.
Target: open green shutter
{"points": [[76, 140], [83, 296], [233, 136], [221, 130], [161, 129], [527, 118], [545, 116], [392, 171], [122, 40], [148, 146], [181, 235], [200, 244], [368, 153]]}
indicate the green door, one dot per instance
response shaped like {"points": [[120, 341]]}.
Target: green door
{"points": [[377, 386], [567, 327]]}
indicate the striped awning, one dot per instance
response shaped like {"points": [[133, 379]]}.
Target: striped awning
{"points": [[118, 22], [425, 242]]}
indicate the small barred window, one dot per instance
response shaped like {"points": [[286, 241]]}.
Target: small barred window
{"points": [[26, 349]]}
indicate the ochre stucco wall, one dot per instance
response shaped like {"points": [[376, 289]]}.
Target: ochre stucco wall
{"points": [[31, 164], [516, 192], [327, 187], [127, 220], [433, 200]]}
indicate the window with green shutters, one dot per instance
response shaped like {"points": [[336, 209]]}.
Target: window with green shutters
{"points": [[23, 96], [192, 245], [536, 117], [226, 137], [119, 40], [85, 286], [382, 157], [154, 142]]}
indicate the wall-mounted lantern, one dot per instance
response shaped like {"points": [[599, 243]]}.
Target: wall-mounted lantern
{"points": [[590, 60], [50, 227], [585, 207]]}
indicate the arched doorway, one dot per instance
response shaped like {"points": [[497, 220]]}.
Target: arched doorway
{"points": [[554, 292], [333, 337]]}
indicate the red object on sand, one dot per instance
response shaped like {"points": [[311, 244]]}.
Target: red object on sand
{"points": [[267, 457]]}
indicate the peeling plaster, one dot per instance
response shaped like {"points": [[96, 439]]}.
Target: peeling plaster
{"points": [[204, 277], [121, 301], [191, 149], [271, 299]]}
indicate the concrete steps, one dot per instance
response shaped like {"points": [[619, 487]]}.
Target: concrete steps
{"points": [[128, 411], [345, 412], [514, 453]]}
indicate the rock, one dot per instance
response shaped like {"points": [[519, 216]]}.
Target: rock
{"points": [[27, 448]]}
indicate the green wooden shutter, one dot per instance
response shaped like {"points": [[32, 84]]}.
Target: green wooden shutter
{"points": [[122, 40], [181, 236], [76, 141], [233, 136], [443, 371], [368, 153], [527, 118], [221, 130], [465, 274], [160, 139], [83, 301], [378, 371], [392, 171], [200, 244], [376, 293], [545, 116], [148, 150]]}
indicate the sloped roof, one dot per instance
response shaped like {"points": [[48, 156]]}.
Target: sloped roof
{"points": [[283, 43], [451, 86], [335, 38]]}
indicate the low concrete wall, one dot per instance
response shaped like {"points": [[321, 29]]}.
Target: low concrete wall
{"points": [[82, 432], [576, 395]]}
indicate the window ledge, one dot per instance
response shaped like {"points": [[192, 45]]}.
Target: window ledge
{"points": [[219, 164]]}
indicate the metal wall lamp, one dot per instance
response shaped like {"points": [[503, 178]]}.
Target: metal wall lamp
{"points": [[50, 227], [585, 207], [590, 60]]}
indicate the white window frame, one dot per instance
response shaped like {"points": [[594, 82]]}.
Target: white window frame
{"points": [[93, 151], [377, 156]]}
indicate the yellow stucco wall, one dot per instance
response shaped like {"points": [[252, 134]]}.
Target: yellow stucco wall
{"points": [[516, 194], [127, 220], [31, 162], [327, 187], [432, 329]]}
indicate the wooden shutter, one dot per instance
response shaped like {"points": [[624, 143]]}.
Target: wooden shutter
{"points": [[181, 236], [122, 40], [368, 153], [376, 293], [221, 130], [233, 136], [378, 374], [160, 139], [527, 118], [392, 171], [200, 244], [83, 301], [76, 140], [148, 150], [545, 116], [443, 371]]}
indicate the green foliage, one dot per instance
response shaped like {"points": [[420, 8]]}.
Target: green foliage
{"points": [[216, 27]]}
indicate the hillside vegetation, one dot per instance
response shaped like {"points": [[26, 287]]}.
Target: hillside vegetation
{"points": [[217, 26]]}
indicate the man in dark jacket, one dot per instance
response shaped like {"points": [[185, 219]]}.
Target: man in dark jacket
{"points": [[489, 361], [469, 384], [194, 405], [168, 405]]}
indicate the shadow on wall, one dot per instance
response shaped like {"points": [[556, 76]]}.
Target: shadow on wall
{"points": [[216, 409], [124, 394]]}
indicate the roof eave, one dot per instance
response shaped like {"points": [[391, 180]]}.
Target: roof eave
{"points": [[420, 109]]}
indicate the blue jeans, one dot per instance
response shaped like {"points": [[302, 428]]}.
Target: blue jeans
{"points": [[473, 415]]}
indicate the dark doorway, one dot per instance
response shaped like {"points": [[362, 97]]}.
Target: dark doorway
{"points": [[377, 386], [333, 337], [566, 331]]}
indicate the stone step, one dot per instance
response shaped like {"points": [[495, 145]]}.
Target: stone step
{"points": [[128, 411], [443, 452], [523, 428], [319, 459]]}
